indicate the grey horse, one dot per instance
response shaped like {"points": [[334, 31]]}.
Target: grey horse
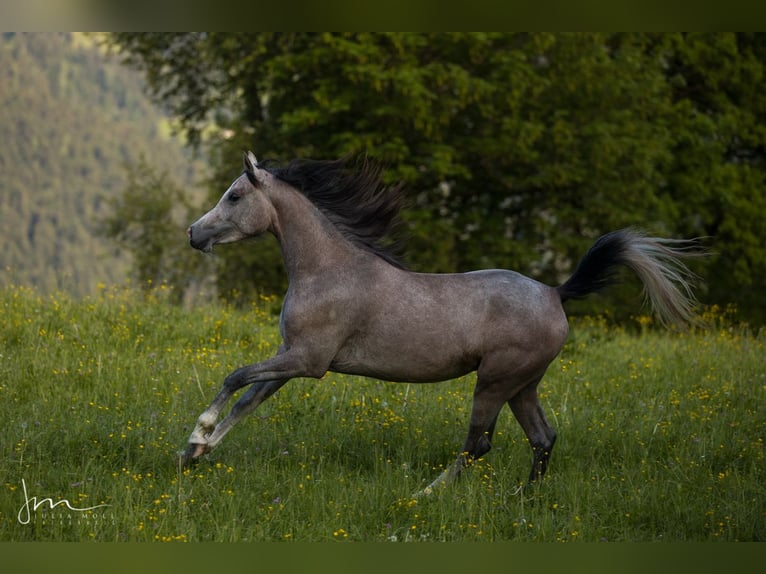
{"points": [[352, 308]]}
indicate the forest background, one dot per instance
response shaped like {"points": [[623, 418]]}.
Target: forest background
{"points": [[516, 150]]}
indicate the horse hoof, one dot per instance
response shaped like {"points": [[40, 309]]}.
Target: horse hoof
{"points": [[191, 454], [426, 492]]}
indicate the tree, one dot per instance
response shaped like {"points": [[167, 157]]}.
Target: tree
{"points": [[149, 220], [517, 150], [717, 178]]}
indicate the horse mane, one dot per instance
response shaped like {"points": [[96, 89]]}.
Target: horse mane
{"points": [[350, 193]]}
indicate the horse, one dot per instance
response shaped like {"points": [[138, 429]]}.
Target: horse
{"points": [[352, 307]]}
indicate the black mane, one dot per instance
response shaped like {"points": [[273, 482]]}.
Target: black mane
{"points": [[350, 193]]}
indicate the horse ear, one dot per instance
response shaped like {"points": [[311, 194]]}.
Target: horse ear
{"points": [[251, 168], [251, 163]]}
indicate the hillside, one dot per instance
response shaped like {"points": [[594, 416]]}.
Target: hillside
{"points": [[73, 120]]}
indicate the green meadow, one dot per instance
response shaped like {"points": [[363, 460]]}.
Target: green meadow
{"points": [[661, 436]]}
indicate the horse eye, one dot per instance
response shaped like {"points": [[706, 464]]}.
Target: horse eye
{"points": [[234, 197]]}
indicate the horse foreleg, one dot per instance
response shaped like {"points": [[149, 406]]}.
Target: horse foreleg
{"points": [[197, 443], [207, 435], [265, 378], [254, 396]]}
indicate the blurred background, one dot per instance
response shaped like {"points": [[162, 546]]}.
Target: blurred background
{"points": [[517, 150]]}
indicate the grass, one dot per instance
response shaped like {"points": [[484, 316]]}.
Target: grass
{"points": [[661, 436]]}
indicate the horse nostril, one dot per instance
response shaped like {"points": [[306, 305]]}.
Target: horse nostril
{"points": [[188, 233]]}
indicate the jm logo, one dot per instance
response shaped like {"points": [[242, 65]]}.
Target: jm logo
{"points": [[32, 505]]}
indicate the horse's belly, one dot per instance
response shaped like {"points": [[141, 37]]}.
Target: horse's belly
{"points": [[400, 374], [406, 361]]}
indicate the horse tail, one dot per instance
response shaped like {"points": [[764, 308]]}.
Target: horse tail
{"points": [[657, 262]]}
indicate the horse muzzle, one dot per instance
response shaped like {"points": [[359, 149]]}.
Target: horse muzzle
{"points": [[199, 239]]}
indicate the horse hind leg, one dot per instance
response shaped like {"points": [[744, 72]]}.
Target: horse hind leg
{"points": [[528, 411], [484, 412]]}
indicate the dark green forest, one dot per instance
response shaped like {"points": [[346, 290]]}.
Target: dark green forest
{"points": [[76, 129], [517, 150]]}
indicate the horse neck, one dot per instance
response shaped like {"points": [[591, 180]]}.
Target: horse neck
{"points": [[309, 242]]}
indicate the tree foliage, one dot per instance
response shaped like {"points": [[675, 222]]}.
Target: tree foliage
{"points": [[517, 150]]}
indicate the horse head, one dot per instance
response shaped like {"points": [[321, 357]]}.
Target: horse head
{"points": [[243, 211]]}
